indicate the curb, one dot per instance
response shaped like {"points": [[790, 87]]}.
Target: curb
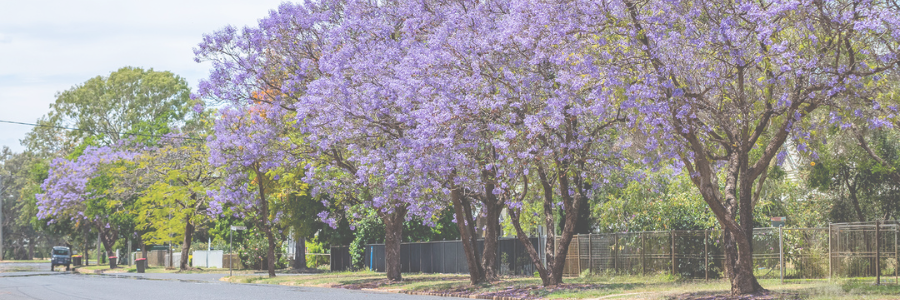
{"points": [[86, 271], [102, 271]]}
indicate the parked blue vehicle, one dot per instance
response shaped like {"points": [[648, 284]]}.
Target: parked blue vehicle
{"points": [[60, 256]]}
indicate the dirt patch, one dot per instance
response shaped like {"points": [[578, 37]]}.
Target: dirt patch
{"points": [[760, 296], [527, 292], [380, 283]]}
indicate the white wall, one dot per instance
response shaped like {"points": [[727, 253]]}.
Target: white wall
{"points": [[215, 259]]}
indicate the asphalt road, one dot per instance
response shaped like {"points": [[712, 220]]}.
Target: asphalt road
{"points": [[29, 281]]}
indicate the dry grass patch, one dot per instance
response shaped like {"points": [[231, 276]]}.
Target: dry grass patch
{"points": [[586, 287]]}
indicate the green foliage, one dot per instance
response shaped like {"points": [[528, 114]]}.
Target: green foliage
{"points": [[859, 187], [314, 261], [128, 100], [661, 201], [370, 230], [177, 196], [252, 250]]}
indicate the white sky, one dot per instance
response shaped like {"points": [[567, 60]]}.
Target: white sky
{"points": [[49, 46]]}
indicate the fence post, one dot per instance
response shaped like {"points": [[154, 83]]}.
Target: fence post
{"points": [[643, 261], [706, 253], [615, 253], [877, 253], [578, 244], [781, 252], [590, 253], [830, 258], [500, 254], [672, 237]]}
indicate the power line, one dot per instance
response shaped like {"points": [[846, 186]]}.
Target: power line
{"points": [[100, 131]]}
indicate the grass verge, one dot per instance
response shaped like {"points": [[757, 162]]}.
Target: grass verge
{"points": [[586, 287]]}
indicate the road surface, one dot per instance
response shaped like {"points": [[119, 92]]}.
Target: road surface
{"points": [[35, 281]]}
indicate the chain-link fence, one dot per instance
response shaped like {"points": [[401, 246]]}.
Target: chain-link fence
{"points": [[865, 250], [840, 250], [858, 250]]}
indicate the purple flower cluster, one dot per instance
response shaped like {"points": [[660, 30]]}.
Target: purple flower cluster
{"points": [[393, 104], [67, 187]]}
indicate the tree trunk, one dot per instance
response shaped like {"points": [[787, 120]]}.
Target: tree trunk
{"points": [[186, 244], [299, 254], [465, 225], [108, 239], [584, 223], [853, 192], [270, 253], [85, 248], [491, 236], [143, 246], [552, 274], [393, 230], [31, 244], [263, 221], [492, 209], [744, 282], [529, 248]]}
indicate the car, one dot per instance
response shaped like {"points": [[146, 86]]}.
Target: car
{"points": [[60, 256]]}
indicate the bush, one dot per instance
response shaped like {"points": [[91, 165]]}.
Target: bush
{"points": [[252, 252]]}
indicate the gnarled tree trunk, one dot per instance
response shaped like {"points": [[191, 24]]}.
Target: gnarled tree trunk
{"points": [[465, 224], [556, 251], [393, 236], [493, 206]]}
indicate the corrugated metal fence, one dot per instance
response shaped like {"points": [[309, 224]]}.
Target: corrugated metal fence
{"points": [[440, 257]]}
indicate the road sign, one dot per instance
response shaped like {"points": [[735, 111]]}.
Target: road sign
{"points": [[230, 241], [778, 221]]}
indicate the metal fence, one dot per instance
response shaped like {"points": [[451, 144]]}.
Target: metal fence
{"points": [[439, 257], [840, 250]]}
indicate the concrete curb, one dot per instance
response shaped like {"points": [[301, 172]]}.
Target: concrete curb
{"points": [[102, 271]]}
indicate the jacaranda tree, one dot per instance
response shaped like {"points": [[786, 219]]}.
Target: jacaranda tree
{"points": [[725, 84], [329, 63], [89, 188], [513, 98]]}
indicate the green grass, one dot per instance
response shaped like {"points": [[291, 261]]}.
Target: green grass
{"points": [[585, 287], [27, 261]]}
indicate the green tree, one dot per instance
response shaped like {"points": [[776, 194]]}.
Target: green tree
{"points": [[175, 204], [130, 106], [128, 101]]}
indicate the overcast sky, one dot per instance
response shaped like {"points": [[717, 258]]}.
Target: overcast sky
{"points": [[50, 46]]}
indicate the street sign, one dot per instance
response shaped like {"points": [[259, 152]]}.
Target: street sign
{"points": [[230, 241], [778, 221]]}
